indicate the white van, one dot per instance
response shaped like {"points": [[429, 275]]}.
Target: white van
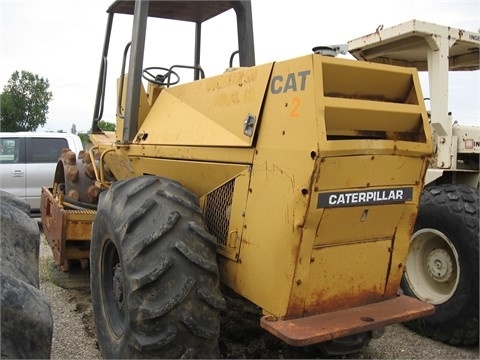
{"points": [[28, 161]]}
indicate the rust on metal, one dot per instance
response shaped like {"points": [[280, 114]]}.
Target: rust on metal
{"points": [[72, 174], [85, 157], [319, 328], [67, 231], [358, 297], [92, 194], [89, 171], [71, 158], [73, 194]]}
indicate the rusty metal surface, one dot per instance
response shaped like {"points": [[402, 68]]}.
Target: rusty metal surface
{"points": [[76, 178], [67, 231], [319, 328], [52, 220]]}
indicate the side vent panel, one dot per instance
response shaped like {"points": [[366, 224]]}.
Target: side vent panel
{"points": [[217, 212]]}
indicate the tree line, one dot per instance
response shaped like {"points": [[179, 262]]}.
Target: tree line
{"points": [[24, 104]]}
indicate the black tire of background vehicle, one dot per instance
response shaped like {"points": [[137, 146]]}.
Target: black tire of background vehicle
{"points": [[26, 319], [154, 276], [452, 210], [15, 201]]}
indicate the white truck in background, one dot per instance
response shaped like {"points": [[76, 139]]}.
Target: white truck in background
{"points": [[28, 161], [442, 266]]}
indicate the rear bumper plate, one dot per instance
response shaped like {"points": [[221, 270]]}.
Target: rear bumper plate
{"points": [[319, 328]]}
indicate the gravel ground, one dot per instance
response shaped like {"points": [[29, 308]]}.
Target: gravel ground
{"points": [[73, 325], [242, 337]]}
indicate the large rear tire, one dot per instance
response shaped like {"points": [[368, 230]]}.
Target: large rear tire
{"points": [[154, 276], [442, 264]]}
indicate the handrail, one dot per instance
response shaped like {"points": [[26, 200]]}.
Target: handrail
{"points": [[193, 67], [102, 172], [99, 173], [230, 62], [122, 76]]}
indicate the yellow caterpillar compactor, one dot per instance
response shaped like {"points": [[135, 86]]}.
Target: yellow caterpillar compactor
{"points": [[296, 184]]}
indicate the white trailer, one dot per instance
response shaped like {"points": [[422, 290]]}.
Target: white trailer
{"points": [[442, 266]]}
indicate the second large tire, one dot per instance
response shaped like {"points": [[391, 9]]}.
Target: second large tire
{"points": [[26, 320], [154, 276], [442, 264]]}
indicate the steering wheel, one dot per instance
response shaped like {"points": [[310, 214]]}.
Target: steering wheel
{"points": [[162, 79]]}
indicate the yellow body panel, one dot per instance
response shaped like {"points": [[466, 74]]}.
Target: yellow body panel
{"points": [[194, 175], [313, 209], [209, 112], [385, 220], [276, 207], [400, 170], [336, 285]]}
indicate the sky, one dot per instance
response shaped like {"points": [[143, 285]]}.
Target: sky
{"points": [[62, 40]]}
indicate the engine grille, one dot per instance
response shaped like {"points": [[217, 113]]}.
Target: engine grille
{"points": [[217, 212]]}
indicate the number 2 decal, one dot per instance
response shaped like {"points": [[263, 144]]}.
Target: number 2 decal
{"points": [[296, 105]]}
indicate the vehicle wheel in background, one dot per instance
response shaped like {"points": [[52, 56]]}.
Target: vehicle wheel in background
{"points": [[442, 264]]}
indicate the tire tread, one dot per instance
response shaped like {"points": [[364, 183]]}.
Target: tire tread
{"points": [[169, 271]]}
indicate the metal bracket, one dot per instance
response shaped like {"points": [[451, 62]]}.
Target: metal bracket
{"points": [[249, 124]]}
